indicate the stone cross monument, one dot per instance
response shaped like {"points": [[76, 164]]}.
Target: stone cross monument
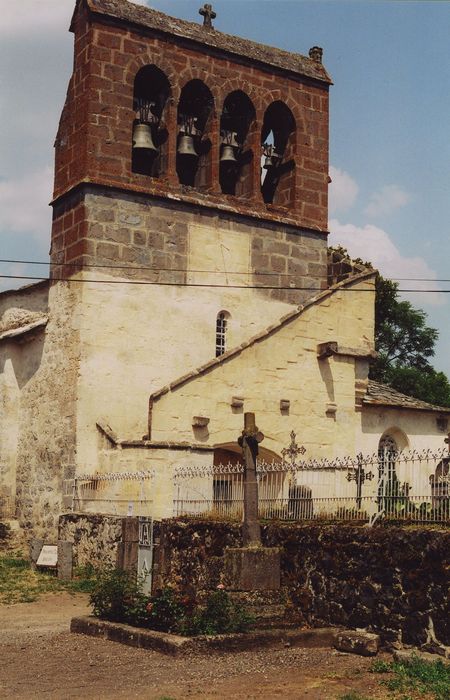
{"points": [[251, 567], [249, 441]]}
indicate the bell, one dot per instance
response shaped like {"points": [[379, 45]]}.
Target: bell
{"points": [[228, 154], [271, 161], [142, 137], [186, 146]]}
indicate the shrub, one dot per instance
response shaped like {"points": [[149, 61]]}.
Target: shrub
{"points": [[165, 611], [221, 615], [117, 596]]}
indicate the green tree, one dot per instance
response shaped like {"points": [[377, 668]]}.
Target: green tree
{"points": [[405, 345]]}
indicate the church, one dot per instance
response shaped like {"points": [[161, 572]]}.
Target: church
{"points": [[190, 276]]}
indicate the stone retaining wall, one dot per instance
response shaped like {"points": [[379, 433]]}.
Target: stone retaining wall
{"points": [[94, 537], [390, 580], [4, 534]]}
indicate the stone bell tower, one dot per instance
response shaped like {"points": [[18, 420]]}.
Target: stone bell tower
{"points": [[170, 116], [191, 176]]}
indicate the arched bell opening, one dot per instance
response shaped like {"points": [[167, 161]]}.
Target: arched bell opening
{"points": [[278, 142], [195, 108], [149, 150], [235, 164]]}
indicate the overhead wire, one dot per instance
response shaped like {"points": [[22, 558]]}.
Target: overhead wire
{"points": [[206, 272], [210, 286]]}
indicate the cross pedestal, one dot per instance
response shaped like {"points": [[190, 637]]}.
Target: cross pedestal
{"points": [[251, 567]]}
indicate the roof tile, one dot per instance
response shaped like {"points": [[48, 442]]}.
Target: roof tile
{"points": [[383, 395], [147, 17]]}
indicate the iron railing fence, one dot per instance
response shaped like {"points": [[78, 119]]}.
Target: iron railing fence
{"points": [[116, 493], [408, 486]]}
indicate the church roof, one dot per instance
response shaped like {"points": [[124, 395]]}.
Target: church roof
{"points": [[146, 17], [383, 395], [25, 331]]}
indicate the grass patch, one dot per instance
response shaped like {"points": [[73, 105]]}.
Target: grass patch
{"points": [[352, 695], [416, 678], [19, 583]]}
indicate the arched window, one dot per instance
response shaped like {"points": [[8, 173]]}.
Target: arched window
{"points": [[278, 146], [151, 90], [193, 146], [235, 167], [388, 483], [221, 332]]}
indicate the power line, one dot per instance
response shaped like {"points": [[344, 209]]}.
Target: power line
{"points": [[211, 286], [206, 272]]}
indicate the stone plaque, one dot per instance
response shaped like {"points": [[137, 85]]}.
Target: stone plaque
{"points": [[48, 555], [145, 553]]}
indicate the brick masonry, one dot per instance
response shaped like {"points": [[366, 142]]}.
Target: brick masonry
{"points": [[93, 143]]}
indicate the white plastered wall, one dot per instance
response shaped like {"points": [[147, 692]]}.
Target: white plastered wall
{"points": [[284, 365], [134, 339], [9, 428], [413, 429]]}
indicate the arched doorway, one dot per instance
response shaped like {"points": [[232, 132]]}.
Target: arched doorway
{"points": [[278, 493]]}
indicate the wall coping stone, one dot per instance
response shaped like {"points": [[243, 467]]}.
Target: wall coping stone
{"points": [[158, 190], [129, 13], [176, 645]]}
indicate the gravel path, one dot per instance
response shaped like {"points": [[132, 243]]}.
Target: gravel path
{"points": [[39, 658]]}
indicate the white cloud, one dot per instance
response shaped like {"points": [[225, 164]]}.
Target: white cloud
{"points": [[31, 16], [24, 204], [374, 245], [386, 200], [342, 192]]}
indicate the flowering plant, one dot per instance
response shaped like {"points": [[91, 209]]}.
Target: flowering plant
{"points": [[118, 596]]}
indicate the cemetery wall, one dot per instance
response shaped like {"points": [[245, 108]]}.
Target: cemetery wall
{"points": [[391, 580], [94, 537], [4, 534]]}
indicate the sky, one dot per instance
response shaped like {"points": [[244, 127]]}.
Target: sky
{"points": [[389, 127]]}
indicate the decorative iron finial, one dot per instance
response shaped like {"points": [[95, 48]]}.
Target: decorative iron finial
{"points": [[290, 453], [316, 54], [447, 442], [208, 15]]}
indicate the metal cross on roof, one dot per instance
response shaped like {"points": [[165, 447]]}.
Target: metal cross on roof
{"points": [[208, 15], [290, 453]]}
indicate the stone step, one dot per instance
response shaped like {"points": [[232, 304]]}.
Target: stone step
{"points": [[268, 616]]}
